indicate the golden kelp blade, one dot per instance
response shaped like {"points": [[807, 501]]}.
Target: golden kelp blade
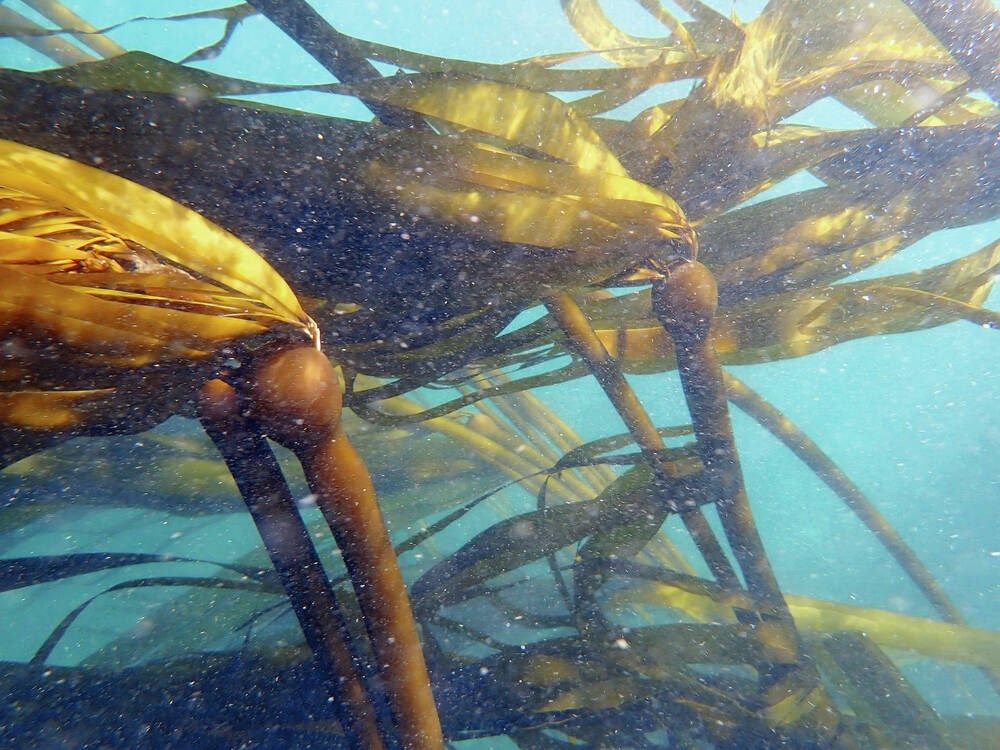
{"points": [[520, 117], [876, 58], [151, 220], [596, 29], [797, 323], [931, 638], [584, 201], [110, 297], [512, 198]]}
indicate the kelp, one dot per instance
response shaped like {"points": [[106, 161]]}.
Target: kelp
{"points": [[501, 196], [127, 282]]}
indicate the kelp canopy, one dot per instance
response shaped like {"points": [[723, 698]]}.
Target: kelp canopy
{"points": [[669, 202]]}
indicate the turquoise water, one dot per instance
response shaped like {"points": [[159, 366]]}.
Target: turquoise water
{"points": [[913, 419]]}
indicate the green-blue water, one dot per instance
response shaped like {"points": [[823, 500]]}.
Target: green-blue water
{"points": [[913, 419]]}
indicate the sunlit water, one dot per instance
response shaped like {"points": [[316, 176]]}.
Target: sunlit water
{"points": [[913, 419]]}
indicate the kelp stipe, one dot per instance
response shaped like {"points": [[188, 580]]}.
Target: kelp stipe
{"points": [[475, 195]]}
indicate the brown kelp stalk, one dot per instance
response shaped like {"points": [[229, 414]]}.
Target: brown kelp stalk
{"points": [[585, 342], [684, 302], [295, 397], [263, 487]]}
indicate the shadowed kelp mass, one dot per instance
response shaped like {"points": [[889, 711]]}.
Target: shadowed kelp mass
{"points": [[173, 248]]}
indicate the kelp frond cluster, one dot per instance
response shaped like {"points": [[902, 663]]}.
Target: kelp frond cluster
{"points": [[213, 229], [110, 287]]}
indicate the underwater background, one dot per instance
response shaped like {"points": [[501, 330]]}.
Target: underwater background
{"points": [[912, 418]]}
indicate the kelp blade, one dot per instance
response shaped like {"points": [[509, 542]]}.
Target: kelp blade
{"points": [[110, 290]]}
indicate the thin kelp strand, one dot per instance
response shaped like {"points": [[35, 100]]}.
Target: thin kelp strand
{"points": [[528, 426], [16, 26], [521, 440], [522, 446], [234, 16], [70, 23], [464, 629], [390, 419], [550, 558], [657, 11], [443, 523], [18, 572], [82, 31], [524, 617], [595, 448], [508, 461], [44, 651], [551, 429]]}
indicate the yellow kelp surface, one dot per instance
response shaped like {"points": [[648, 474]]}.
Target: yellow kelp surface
{"points": [[110, 294]]}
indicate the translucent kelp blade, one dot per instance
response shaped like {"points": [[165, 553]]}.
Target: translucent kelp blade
{"points": [[126, 335], [49, 411], [785, 325], [153, 221], [799, 323], [600, 34], [793, 54], [523, 118], [867, 212], [842, 36], [799, 44], [606, 220], [117, 333], [932, 638]]}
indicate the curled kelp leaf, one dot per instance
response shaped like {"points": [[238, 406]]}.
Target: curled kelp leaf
{"points": [[148, 219], [109, 289], [709, 32]]}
